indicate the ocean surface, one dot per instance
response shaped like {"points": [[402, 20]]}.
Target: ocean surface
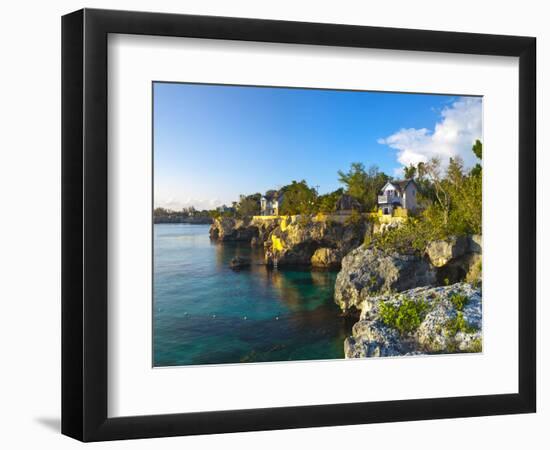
{"points": [[206, 313]]}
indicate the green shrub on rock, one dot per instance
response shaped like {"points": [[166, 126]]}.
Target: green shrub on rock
{"points": [[459, 301], [410, 237], [405, 317], [458, 324]]}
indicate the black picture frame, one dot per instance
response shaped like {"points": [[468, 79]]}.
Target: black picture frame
{"points": [[84, 224]]}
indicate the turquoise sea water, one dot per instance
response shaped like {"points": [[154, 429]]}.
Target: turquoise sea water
{"points": [[206, 313]]}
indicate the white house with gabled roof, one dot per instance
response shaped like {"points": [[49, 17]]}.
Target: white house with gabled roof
{"points": [[270, 203], [398, 194]]}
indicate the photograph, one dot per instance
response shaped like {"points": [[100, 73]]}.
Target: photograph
{"points": [[300, 224], [255, 225]]}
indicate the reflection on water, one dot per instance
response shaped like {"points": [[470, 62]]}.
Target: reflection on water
{"points": [[206, 313]]}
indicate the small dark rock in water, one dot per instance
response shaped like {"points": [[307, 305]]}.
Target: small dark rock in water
{"points": [[238, 262]]}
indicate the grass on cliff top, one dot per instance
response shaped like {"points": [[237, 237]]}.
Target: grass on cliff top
{"points": [[405, 317]]}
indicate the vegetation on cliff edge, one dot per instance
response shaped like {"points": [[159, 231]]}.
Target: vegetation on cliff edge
{"points": [[451, 203]]}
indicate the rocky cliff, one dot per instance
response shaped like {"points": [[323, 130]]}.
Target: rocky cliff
{"points": [[456, 259], [367, 271], [320, 243], [425, 320], [255, 231], [306, 241], [423, 302]]}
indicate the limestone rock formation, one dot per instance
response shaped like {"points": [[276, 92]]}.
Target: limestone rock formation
{"points": [[366, 272], [449, 321], [442, 251], [456, 259], [303, 241], [231, 229], [326, 257], [252, 230]]}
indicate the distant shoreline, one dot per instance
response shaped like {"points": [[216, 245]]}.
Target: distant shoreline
{"points": [[189, 221]]}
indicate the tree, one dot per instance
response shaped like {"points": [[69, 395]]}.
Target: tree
{"points": [[466, 195], [465, 215], [159, 212], [375, 182], [409, 172], [457, 203], [298, 198], [455, 170], [355, 180], [363, 185], [432, 170], [426, 193], [327, 203], [477, 148], [249, 205]]}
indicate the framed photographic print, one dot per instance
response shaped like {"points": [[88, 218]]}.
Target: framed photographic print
{"points": [[273, 224]]}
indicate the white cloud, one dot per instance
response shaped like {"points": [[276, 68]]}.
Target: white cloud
{"points": [[453, 135], [398, 172]]}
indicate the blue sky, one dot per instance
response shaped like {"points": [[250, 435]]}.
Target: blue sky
{"points": [[214, 142]]}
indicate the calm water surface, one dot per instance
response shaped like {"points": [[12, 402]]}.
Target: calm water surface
{"points": [[206, 313]]}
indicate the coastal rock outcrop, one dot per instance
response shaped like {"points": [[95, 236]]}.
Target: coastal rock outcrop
{"points": [[304, 241], [442, 251], [294, 240], [253, 230], [367, 271], [370, 339], [231, 229], [456, 258], [326, 257], [425, 320]]}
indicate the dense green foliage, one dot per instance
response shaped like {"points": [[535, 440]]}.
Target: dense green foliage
{"points": [[249, 205], [327, 203], [456, 195], [364, 185], [409, 172], [405, 317], [411, 237], [299, 198], [450, 203]]}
